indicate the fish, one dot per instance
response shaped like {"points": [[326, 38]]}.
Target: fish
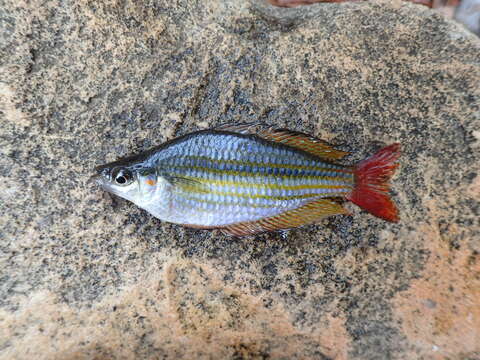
{"points": [[247, 179]]}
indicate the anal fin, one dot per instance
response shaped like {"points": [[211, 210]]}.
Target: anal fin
{"points": [[306, 214]]}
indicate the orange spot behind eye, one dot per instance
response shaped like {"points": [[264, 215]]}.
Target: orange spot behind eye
{"points": [[150, 182]]}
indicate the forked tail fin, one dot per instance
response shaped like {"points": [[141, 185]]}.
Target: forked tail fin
{"points": [[371, 183]]}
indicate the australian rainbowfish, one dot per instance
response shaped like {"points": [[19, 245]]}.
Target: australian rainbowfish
{"points": [[244, 180]]}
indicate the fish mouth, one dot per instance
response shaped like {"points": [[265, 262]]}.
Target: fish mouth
{"points": [[98, 181], [95, 179], [101, 175]]}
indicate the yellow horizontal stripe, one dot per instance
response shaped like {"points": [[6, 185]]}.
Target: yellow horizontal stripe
{"points": [[251, 174], [192, 189], [272, 186]]}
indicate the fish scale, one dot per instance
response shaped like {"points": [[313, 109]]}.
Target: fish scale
{"points": [[282, 178]]}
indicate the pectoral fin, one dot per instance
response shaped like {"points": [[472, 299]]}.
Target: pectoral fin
{"points": [[186, 184]]}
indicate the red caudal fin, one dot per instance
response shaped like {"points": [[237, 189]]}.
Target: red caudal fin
{"points": [[371, 183]]}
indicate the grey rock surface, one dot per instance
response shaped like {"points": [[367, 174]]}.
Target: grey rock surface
{"points": [[86, 275]]}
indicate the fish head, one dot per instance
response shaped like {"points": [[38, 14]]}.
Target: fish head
{"points": [[119, 179], [132, 181], [139, 184]]}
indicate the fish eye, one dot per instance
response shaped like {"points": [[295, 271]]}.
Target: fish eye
{"points": [[122, 177]]}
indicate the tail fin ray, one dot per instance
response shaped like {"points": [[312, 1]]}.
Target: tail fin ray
{"points": [[371, 183]]}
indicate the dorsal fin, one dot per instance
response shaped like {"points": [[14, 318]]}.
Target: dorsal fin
{"points": [[247, 128], [304, 142], [294, 139], [306, 214]]}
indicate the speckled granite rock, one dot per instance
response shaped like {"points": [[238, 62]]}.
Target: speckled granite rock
{"points": [[85, 275]]}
